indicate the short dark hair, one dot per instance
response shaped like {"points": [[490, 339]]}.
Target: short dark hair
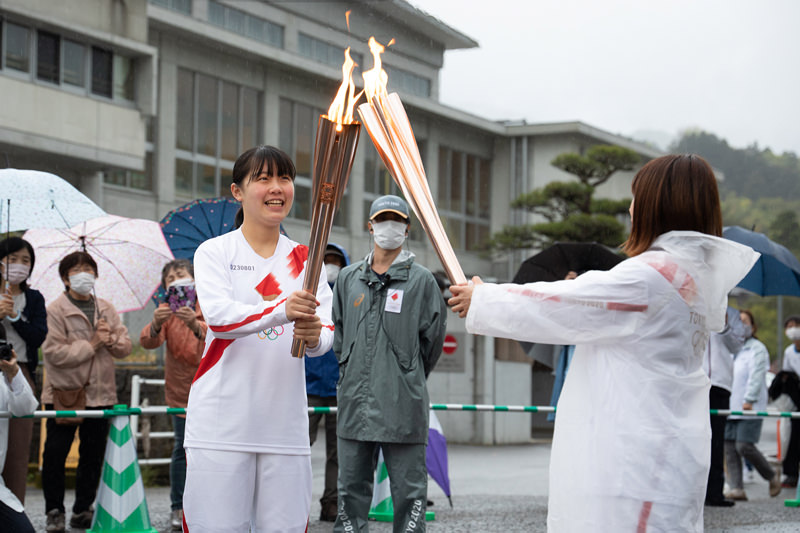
{"points": [[792, 318], [175, 264], [673, 192], [15, 244], [74, 259]]}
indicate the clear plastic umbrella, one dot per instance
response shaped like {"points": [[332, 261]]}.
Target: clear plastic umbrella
{"points": [[33, 199], [129, 252]]}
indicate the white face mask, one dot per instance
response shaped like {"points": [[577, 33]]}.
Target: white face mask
{"points": [[17, 273], [332, 272], [390, 234], [748, 331], [82, 283], [793, 333], [182, 282]]}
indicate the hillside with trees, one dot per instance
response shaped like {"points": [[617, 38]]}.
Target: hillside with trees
{"points": [[761, 191]]}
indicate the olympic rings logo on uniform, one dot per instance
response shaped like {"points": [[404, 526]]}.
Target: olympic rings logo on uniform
{"points": [[271, 333]]}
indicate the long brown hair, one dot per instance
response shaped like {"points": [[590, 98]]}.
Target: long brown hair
{"points": [[673, 192]]}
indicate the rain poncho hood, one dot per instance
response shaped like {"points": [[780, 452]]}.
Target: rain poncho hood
{"points": [[632, 437]]}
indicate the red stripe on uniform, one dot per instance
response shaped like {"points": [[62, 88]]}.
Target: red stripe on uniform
{"points": [[212, 356], [634, 308], [251, 318], [331, 327], [296, 258], [644, 516]]}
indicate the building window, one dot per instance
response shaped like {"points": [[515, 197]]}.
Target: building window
{"points": [[74, 63], [464, 198], [48, 57], [17, 47], [181, 6], [67, 63], [245, 24], [408, 82], [326, 53], [101, 71], [216, 121], [131, 178]]}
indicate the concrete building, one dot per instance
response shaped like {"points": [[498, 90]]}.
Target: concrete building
{"points": [[145, 105]]}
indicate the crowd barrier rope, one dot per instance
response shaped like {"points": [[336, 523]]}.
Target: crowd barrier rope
{"points": [[162, 409]]}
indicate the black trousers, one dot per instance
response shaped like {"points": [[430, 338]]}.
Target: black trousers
{"points": [[791, 459], [93, 433], [718, 399]]}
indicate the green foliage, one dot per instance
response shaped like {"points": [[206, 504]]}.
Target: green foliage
{"points": [[556, 200], [599, 163], [568, 206]]}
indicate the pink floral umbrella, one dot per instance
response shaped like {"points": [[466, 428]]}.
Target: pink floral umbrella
{"points": [[129, 252]]}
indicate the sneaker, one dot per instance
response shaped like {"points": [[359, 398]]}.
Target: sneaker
{"points": [[176, 520], [749, 476], [722, 502], [736, 494], [56, 521], [82, 520], [789, 482], [775, 485]]}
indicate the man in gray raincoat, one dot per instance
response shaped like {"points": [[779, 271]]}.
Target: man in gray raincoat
{"points": [[390, 320]]}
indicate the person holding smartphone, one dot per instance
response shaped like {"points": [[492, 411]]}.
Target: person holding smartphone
{"points": [[179, 322]]}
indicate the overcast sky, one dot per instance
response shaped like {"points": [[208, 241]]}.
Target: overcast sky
{"points": [[730, 67]]}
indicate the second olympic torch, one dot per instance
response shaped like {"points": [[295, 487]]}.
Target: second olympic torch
{"points": [[334, 152]]}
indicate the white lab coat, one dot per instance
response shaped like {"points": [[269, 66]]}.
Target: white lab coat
{"points": [[18, 398], [632, 437]]}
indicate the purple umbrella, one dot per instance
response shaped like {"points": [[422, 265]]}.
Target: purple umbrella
{"points": [[436, 456]]}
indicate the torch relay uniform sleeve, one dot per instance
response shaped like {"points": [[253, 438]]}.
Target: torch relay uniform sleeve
{"points": [[15, 396], [248, 393], [632, 436]]}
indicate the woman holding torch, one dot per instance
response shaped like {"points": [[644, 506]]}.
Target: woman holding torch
{"points": [[632, 440], [247, 448]]}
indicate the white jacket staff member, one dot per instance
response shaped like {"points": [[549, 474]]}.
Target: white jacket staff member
{"points": [[632, 435]]}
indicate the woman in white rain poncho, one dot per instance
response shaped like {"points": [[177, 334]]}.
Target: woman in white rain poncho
{"points": [[631, 448]]}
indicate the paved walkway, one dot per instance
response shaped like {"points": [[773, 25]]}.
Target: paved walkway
{"points": [[504, 489]]}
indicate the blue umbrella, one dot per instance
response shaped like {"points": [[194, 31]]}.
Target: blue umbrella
{"points": [[777, 271], [188, 226]]}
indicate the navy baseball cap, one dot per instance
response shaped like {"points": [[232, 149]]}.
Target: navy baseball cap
{"points": [[390, 203]]}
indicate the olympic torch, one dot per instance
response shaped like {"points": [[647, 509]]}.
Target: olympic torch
{"points": [[334, 152], [388, 126]]}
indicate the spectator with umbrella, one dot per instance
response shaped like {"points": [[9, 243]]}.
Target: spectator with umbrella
{"points": [[85, 335], [23, 314]]}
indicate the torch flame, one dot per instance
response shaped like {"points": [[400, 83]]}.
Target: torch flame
{"points": [[347, 18], [341, 110], [375, 79]]}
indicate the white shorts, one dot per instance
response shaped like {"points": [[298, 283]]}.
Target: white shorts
{"points": [[230, 492]]}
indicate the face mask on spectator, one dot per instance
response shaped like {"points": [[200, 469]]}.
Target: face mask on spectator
{"points": [[389, 234], [82, 283], [332, 272], [793, 333], [17, 273], [182, 282], [748, 331]]}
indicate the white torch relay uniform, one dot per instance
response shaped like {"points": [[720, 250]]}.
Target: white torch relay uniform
{"points": [[15, 396], [632, 437], [248, 396]]}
